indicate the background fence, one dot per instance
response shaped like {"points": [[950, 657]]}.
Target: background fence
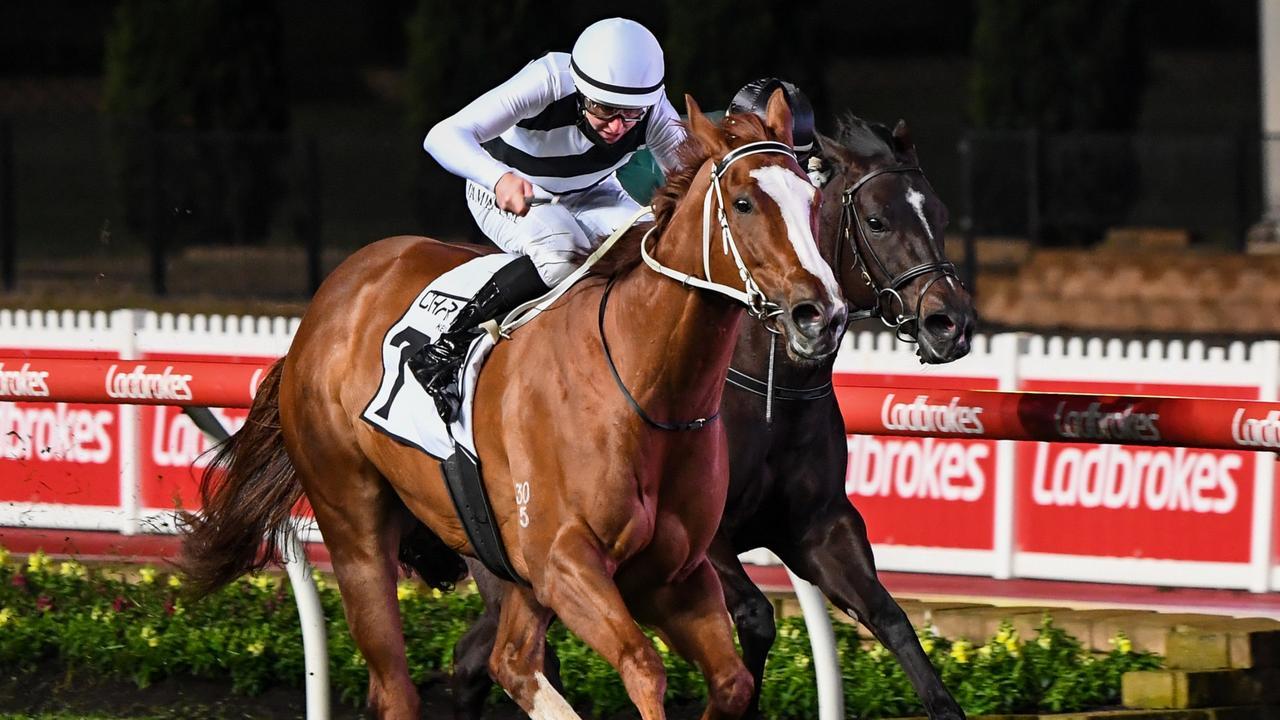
{"points": [[969, 506]]}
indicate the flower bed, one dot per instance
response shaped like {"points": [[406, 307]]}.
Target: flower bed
{"points": [[136, 624]]}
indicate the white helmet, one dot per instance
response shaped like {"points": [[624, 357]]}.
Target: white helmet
{"points": [[618, 62]]}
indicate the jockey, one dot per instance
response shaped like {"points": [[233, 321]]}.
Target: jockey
{"points": [[642, 176], [539, 153]]}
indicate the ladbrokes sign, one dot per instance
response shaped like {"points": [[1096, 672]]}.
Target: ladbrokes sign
{"points": [[1133, 501]]}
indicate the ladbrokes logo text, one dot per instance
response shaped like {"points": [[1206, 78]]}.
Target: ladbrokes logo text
{"points": [[920, 415], [917, 468], [23, 381], [1115, 477], [1094, 424], [1256, 432], [138, 384]]}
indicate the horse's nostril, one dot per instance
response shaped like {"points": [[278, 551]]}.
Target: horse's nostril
{"points": [[807, 316], [940, 326]]}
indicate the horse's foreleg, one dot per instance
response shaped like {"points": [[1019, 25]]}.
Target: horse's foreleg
{"points": [[578, 586], [751, 611], [835, 555], [690, 613], [517, 657]]}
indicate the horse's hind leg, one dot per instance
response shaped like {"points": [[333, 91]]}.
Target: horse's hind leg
{"points": [[362, 519], [835, 555], [690, 614]]}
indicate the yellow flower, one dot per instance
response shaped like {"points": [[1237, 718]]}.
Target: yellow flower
{"points": [[175, 581], [71, 568], [262, 582], [6, 615], [148, 633], [1045, 641], [877, 651], [1002, 637], [38, 561], [4, 555], [1011, 646], [177, 607], [147, 575], [436, 594], [985, 651], [405, 590], [96, 614], [255, 649], [1122, 643], [802, 660], [662, 647], [927, 645], [357, 659], [318, 579], [960, 651]]}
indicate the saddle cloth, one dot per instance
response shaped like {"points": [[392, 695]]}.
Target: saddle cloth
{"points": [[401, 408]]}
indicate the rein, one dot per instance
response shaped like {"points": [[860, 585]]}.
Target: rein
{"points": [[758, 306], [893, 312]]}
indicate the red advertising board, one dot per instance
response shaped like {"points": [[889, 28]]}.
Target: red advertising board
{"points": [[927, 492], [1132, 501], [56, 452], [174, 452]]}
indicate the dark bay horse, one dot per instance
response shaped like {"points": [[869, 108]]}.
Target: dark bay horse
{"points": [[606, 516], [788, 461]]}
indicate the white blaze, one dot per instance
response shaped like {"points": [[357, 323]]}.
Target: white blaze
{"points": [[916, 198], [794, 196]]}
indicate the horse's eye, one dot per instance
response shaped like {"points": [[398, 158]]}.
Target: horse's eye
{"points": [[876, 225], [742, 205]]}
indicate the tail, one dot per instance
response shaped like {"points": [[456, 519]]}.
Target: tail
{"points": [[247, 493]]}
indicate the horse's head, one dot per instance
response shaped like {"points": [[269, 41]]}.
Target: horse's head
{"points": [[883, 230], [758, 224]]}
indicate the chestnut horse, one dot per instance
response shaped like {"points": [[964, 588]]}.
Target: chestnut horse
{"points": [[788, 454], [616, 509]]}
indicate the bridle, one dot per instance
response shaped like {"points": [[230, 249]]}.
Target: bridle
{"points": [[758, 306], [889, 306]]}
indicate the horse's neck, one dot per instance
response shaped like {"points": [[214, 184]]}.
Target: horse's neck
{"points": [[671, 344]]}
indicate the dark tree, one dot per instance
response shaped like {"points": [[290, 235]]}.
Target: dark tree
{"points": [[196, 92]]}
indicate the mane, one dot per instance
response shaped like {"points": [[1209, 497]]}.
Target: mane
{"points": [[865, 138], [735, 130]]}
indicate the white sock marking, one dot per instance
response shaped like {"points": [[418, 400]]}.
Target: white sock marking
{"points": [[794, 196], [916, 198], [549, 704]]}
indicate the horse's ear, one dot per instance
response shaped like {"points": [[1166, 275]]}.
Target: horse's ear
{"points": [[777, 116], [902, 140], [701, 127]]}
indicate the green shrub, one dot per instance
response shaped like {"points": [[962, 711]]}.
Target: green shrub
{"points": [[136, 626]]}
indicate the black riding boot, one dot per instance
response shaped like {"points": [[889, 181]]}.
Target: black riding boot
{"points": [[436, 365]]}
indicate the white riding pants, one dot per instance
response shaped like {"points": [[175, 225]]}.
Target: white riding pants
{"points": [[557, 237]]}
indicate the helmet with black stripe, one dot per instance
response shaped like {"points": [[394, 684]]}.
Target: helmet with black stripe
{"points": [[617, 62], [753, 98]]}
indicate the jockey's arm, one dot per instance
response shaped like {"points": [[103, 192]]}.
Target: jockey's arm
{"points": [[455, 141], [665, 136]]}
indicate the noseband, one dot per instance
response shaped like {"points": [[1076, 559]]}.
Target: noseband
{"points": [[889, 306]]}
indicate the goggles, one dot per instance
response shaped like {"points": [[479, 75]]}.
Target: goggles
{"points": [[607, 113]]}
